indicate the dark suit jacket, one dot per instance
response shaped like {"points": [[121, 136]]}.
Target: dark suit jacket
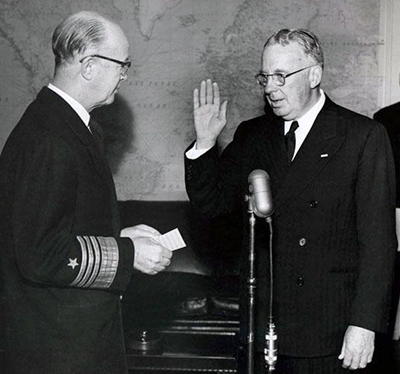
{"points": [[334, 231], [63, 263], [390, 118]]}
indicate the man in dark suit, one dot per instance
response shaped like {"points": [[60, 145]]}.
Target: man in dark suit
{"points": [[64, 259], [390, 118], [332, 182]]}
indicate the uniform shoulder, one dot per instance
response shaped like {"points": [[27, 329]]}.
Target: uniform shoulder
{"points": [[388, 114], [393, 108], [36, 131]]}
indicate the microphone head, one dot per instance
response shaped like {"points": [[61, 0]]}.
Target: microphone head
{"points": [[258, 173], [260, 191]]}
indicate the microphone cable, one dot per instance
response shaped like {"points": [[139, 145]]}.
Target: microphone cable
{"points": [[271, 270]]}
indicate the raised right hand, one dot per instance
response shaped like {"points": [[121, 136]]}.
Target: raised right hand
{"points": [[209, 114], [150, 256]]}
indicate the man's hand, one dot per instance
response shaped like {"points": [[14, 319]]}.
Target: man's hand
{"points": [[209, 115], [357, 348], [140, 231], [150, 256]]}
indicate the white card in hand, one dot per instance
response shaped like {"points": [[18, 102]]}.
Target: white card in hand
{"points": [[172, 240]]}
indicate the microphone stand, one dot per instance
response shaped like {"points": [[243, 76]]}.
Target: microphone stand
{"points": [[270, 350], [251, 291]]}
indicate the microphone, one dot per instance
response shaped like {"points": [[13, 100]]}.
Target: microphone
{"points": [[260, 193]]}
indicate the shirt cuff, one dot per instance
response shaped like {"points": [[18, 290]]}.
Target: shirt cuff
{"points": [[194, 153]]}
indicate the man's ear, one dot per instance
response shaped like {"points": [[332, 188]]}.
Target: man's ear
{"points": [[87, 68], [315, 76]]}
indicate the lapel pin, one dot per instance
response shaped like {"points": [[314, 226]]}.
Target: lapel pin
{"points": [[324, 155]]}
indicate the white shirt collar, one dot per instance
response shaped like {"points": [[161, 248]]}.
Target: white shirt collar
{"points": [[79, 109], [309, 118], [306, 122]]}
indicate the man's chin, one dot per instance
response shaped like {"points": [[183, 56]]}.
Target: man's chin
{"points": [[279, 112]]}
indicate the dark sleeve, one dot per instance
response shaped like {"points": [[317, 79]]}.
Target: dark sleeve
{"points": [[391, 121], [378, 116], [44, 220], [375, 204], [213, 182]]}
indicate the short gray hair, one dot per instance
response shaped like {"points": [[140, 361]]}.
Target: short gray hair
{"points": [[306, 39], [76, 33]]}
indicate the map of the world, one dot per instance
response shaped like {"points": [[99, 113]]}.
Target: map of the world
{"points": [[174, 45]]}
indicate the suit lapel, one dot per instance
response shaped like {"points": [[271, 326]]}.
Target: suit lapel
{"points": [[320, 146], [69, 120]]}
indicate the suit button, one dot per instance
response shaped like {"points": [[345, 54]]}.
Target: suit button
{"points": [[121, 297], [300, 281], [313, 203], [302, 242]]}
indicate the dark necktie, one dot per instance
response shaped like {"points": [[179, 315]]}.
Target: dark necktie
{"points": [[290, 140]]}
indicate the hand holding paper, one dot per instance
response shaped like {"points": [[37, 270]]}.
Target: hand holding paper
{"points": [[153, 251], [172, 240]]}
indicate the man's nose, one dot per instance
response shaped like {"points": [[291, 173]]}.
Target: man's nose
{"points": [[270, 86]]}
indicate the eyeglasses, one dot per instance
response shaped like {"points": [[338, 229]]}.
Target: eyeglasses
{"points": [[278, 78], [125, 65]]}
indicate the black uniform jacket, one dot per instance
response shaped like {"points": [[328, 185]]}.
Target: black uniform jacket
{"points": [[333, 225], [62, 261]]}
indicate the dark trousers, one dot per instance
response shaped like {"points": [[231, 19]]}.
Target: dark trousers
{"points": [[316, 365], [382, 362]]}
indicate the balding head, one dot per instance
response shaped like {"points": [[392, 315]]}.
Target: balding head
{"points": [[91, 56], [79, 32]]}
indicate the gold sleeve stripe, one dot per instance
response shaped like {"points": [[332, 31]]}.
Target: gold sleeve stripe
{"points": [[97, 260], [99, 264], [90, 263], [109, 264], [82, 269]]}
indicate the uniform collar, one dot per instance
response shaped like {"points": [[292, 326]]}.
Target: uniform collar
{"points": [[79, 109]]}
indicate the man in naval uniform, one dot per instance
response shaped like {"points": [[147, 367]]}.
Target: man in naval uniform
{"points": [[64, 259]]}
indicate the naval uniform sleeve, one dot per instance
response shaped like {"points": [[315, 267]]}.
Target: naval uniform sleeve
{"points": [[44, 220], [100, 260]]}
